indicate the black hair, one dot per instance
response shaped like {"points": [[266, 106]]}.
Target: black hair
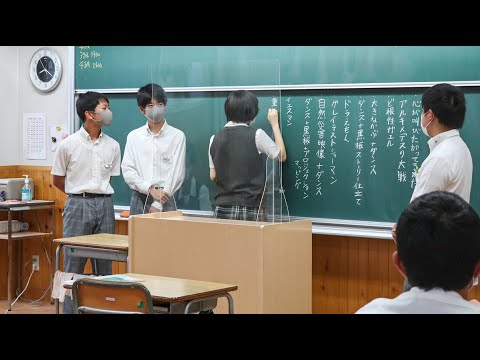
{"points": [[448, 104], [241, 106], [438, 241], [88, 102], [151, 91]]}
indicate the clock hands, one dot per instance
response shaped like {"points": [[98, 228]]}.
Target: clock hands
{"points": [[42, 64], [44, 69]]}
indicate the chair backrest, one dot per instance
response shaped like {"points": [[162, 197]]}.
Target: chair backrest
{"points": [[110, 297]]}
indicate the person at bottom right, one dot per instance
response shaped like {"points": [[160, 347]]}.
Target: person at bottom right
{"points": [[438, 250]]}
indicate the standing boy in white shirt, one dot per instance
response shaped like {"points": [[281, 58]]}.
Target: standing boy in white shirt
{"points": [[449, 165], [82, 168], [153, 163]]}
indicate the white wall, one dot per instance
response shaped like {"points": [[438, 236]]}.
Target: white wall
{"points": [[54, 103], [9, 132]]}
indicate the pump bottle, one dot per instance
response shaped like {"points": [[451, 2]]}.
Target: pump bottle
{"points": [[26, 190]]}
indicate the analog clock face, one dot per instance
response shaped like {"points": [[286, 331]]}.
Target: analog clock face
{"points": [[45, 70]]}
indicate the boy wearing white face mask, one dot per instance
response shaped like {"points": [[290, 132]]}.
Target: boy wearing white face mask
{"points": [[236, 158], [449, 165], [153, 164], [83, 165]]}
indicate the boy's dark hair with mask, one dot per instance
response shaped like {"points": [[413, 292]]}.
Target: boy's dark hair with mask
{"points": [[152, 101], [88, 102], [149, 92]]}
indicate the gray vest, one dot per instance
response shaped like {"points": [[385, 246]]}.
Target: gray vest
{"points": [[240, 168]]}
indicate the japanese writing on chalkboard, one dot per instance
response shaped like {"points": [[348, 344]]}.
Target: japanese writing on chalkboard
{"points": [[348, 141]]}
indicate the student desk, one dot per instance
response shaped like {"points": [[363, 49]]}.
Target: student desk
{"points": [[19, 207], [184, 296], [97, 246]]}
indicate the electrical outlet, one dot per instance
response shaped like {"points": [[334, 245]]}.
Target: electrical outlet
{"points": [[36, 263]]}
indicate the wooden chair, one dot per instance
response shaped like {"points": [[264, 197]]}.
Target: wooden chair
{"points": [[110, 297]]}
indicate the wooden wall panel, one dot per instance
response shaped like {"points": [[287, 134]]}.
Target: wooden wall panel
{"points": [[349, 272]]}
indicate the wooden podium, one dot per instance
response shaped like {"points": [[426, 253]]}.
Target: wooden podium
{"points": [[271, 263]]}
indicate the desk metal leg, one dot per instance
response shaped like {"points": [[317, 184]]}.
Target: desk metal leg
{"points": [[230, 303], [57, 267], [227, 295], [9, 276], [19, 245], [10, 263], [52, 233]]}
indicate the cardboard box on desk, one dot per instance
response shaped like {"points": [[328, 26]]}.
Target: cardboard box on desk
{"points": [[13, 188], [271, 263]]}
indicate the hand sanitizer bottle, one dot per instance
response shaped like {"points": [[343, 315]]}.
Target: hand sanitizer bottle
{"points": [[26, 190]]}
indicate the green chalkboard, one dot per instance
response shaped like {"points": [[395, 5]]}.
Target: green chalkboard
{"points": [[365, 174], [106, 67]]}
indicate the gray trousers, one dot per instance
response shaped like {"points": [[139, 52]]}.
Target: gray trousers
{"points": [[137, 203], [86, 216]]}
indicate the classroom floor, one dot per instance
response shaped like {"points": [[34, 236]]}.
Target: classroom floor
{"points": [[26, 307]]}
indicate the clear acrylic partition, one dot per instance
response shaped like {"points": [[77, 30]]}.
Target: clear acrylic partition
{"points": [[273, 199], [197, 109]]}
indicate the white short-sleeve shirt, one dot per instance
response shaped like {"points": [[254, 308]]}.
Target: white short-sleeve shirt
{"points": [[448, 167], [86, 164]]}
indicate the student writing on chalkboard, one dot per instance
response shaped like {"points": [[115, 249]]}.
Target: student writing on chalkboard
{"points": [[83, 165], [153, 164], [438, 249], [236, 160]]}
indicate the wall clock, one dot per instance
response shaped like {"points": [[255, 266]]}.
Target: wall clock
{"points": [[45, 69]]}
